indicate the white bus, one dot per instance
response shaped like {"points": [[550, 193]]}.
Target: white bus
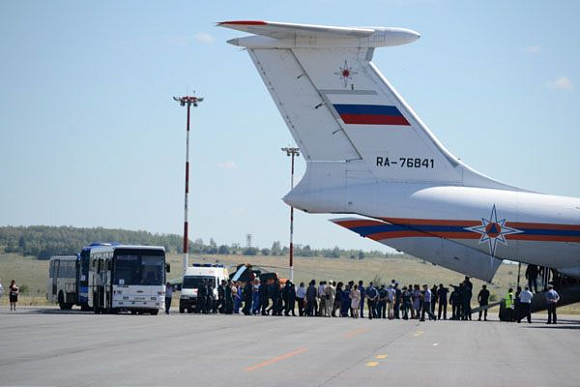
{"points": [[62, 286], [127, 278]]}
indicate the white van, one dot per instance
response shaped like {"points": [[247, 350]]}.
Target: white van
{"points": [[194, 276]]}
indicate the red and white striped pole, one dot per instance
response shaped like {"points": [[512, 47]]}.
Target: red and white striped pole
{"points": [[187, 101], [292, 152]]}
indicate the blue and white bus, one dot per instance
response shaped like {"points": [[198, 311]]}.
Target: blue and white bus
{"points": [[83, 279]]}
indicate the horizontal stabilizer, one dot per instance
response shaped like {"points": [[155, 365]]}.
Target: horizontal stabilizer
{"points": [[286, 30], [284, 35]]}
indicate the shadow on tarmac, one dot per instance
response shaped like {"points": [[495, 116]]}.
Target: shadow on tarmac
{"points": [[59, 311], [562, 324], [572, 327]]}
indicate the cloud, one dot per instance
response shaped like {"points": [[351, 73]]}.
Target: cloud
{"points": [[204, 37], [561, 83], [532, 50], [230, 165]]}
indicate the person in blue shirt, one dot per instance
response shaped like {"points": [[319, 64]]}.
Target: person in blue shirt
{"points": [[407, 302], [256, 301], [372, 296], [237, 297]]}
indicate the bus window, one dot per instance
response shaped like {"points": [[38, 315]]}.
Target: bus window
{"points": [[67, 269], [152, 270], [51, 269], [127, 270], [57, 269], [63, 269]]}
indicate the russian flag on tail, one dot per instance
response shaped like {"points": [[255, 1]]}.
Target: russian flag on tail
{"points": [[371, 115]]}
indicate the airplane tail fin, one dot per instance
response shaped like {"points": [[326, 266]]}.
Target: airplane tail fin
{"points": [[347, 119]]}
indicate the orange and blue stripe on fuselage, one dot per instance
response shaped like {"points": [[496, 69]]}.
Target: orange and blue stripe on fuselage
{"points": [[457, 229]]}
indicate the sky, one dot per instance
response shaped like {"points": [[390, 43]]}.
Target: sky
{"points": [[90, 135]]}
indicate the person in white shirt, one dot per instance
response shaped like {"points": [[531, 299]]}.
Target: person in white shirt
{"points": [[390, 301], [168, 297], [552, 297], [426, 307], [300, 296], [1, 289], [330, 291], [525, 304], [322, 298]]}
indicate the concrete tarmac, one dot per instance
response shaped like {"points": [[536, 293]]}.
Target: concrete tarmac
{"points": [[47, 347]]}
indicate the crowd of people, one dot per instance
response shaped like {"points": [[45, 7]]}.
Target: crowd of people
{"points": [[340, 299]]}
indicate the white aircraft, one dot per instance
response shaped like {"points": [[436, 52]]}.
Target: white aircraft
{"points": [[368, 153]]}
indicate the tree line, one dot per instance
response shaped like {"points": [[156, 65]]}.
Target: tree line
{"points": [[43, 242]]}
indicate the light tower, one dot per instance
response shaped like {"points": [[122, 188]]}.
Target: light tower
{"points": [[186, 101], [293, 152]]}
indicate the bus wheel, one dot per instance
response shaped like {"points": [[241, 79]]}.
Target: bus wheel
{"points": [[63, 305], [181, 309]]}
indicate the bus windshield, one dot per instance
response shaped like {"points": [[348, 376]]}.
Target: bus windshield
{"points": [[193, 282], [152, 268], [132, 269]]}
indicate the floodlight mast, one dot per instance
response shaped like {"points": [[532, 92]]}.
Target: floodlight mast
{"points": [[293, 152], [187, 101]]}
